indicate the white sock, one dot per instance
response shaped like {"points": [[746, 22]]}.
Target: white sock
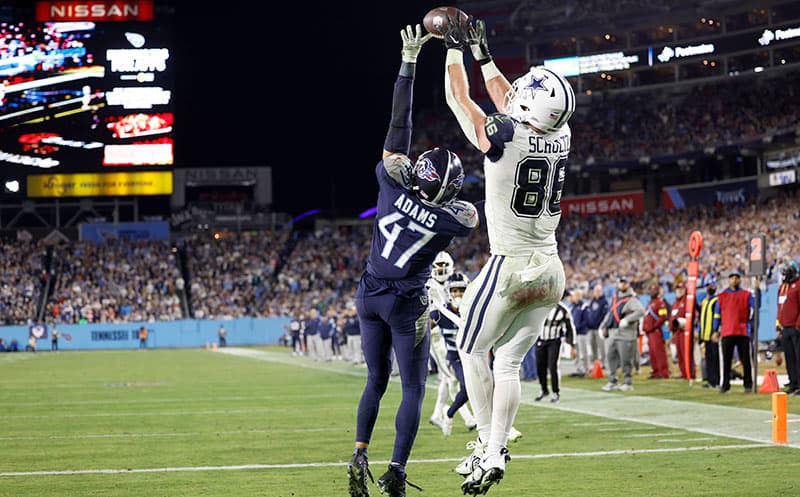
{"points": [[466, 415], [507, 394], [480, 388], [442, 400]]}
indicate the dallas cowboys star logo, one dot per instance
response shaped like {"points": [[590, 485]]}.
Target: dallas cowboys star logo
{"points": [[537, 84]]}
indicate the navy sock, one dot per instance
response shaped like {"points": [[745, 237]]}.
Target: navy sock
{"points": [[400, 468]]}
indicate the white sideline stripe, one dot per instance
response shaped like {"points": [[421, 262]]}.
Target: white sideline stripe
{"points": [[662, 434], [181, 434], [739, 423], [340, 463], [139, 414], [678, 440]]}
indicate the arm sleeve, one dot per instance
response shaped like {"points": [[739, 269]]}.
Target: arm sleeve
{"points": [[717, 316], [461, 116], [398, 138]]}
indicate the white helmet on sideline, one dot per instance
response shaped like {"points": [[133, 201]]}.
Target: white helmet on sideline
{"points": [[443, 267], [541, 98]]}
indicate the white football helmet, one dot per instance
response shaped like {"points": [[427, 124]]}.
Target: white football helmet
{"points": [[442, 267], [541, 98]]}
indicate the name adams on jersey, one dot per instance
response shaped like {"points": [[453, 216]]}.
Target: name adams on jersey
{"points": [[409, 233]]}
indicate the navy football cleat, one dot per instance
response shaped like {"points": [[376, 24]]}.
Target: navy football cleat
{"points": [[393, 483], [357, 472]]}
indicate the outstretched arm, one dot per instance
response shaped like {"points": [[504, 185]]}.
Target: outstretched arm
{"points": [[496, 83], [469, 115], [398, 138]]}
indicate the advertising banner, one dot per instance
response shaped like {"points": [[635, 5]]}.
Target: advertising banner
{"points": [[607, 203], [100, 184]]}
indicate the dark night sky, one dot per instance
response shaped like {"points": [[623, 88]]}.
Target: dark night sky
{"points": [[319, 110]]}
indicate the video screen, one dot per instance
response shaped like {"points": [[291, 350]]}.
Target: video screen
{"points": [[85, 97]]}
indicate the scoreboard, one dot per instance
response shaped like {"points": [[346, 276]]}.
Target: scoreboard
{"points": [[86, 106]]}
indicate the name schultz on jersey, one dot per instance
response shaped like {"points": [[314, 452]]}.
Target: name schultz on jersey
{"points": [[541, 144]]}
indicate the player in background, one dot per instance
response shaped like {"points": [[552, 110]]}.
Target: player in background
{"points": [[417, 217], [449, 384], [505, 306], [447, 319]]}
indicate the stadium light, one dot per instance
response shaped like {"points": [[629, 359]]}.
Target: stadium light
{"points": [[12, 186], [305, 214], [368, 213]]}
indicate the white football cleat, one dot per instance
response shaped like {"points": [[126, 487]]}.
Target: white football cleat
{"points": [[447, 425], [469, 464], [436, 421], [514, 435], [487, 473]]}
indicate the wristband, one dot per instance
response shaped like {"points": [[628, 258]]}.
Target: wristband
{"points": [[490, 70], [454, 56]]}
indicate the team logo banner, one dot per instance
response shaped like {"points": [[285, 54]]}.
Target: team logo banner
{"points": [[38, 331], [722, 193]]}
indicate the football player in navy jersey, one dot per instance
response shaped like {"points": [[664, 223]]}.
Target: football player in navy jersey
{"points": [[417, 217], [447, 319]]}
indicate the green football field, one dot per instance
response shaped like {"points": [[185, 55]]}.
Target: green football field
{"points": [[259, 422]]}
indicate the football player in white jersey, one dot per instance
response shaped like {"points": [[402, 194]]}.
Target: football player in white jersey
{"points": [[441, 269], [526, 146]]}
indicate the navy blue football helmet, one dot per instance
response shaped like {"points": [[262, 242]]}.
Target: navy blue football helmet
{"points": [[456, 280], [438, 176]]}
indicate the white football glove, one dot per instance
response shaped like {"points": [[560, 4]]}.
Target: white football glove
{"points": [[412, 43], [623, 323], [682, 322]]}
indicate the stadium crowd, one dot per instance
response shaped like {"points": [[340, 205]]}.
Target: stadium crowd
{"points": [[22, 276], [653, 124], [281, 274], [626, 127], [228, 274], [114, 281]]}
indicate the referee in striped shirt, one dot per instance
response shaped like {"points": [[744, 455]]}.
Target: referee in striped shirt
{"points": [[557, 327]]}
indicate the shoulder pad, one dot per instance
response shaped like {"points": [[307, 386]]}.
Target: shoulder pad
{"points": [[464, 212], [499, 129], [399, 168]]}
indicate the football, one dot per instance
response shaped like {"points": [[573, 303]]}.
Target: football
{"points": [[435, 21]]}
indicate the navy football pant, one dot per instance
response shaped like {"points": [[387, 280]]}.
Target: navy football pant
{"points": [[391, 321], [461, 397]]}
